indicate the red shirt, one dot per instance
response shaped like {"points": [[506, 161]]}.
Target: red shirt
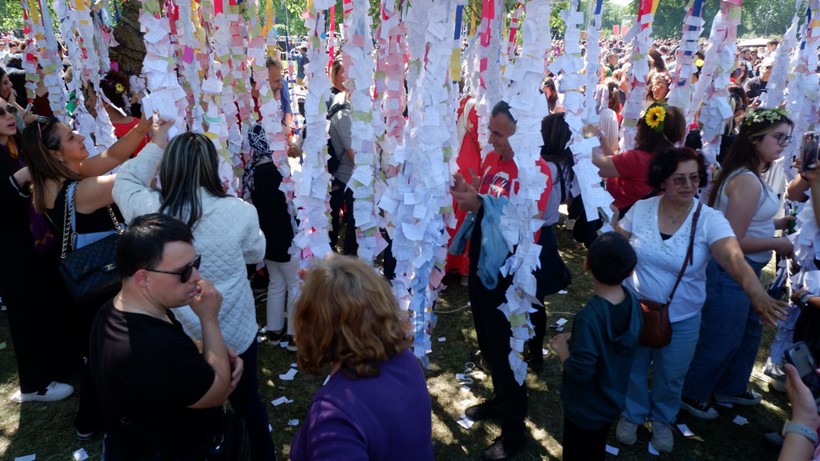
{"points": [[499, 175], [122, 129], [632, 183]]}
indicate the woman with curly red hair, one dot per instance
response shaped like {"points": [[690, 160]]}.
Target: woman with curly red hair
{"points": [[348, 318]]}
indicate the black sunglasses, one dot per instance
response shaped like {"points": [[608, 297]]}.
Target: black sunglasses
{"points": [[184, 273], [9, 109]]}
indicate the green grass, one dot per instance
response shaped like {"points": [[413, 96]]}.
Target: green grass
{"points": [[47, 429]]}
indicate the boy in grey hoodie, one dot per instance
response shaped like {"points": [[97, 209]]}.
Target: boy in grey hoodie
{"points": [[597, 355]]}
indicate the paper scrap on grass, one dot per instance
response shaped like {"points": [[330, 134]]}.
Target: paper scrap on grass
{"points": [[684, 429], [80, 455], [283, 344], [561, 322], [612, 450], [652, 450], [466, 422], [31, 457], [289, 375], [545, 352], [442, 339], [293, 422], [2, 345], [740, 420], [280, 401]]}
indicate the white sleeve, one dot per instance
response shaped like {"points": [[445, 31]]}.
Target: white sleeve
{"points": [[132, 188], [715, 225]]}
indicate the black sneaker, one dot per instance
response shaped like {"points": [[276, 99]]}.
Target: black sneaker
{"points": [[484, 410], [702, 410], [502, 449]]}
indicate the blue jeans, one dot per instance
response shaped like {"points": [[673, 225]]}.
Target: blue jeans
{"points": [[729, 338], [246, 403], [669, 365]]}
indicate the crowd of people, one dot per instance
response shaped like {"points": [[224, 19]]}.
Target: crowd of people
{"points": [[162, 352]]}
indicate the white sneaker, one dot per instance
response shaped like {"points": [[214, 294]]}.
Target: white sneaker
{"points": [[662, 438], [53, 392], [626, 432]]}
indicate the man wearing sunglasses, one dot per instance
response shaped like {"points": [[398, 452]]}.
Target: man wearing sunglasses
{"points": [[158, 392]]}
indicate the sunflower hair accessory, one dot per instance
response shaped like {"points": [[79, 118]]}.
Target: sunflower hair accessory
{"points": [[655, 117], [763, 115], [119, 88]]}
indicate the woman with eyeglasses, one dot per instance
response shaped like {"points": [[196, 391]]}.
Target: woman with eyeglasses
{"points": [[731, 329], [58, 161], [660, 228], [227, 235], [30, 285]]}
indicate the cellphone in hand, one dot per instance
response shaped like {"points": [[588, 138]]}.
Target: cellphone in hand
{"points": [[809, 150], [800, 356]]}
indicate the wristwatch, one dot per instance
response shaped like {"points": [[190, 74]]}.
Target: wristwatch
{"points": [[801, 429], [803, 302]]}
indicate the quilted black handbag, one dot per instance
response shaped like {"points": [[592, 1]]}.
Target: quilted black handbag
{"points": [[91, 270]]}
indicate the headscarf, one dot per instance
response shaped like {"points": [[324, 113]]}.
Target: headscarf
{"points": [[261, 153]]}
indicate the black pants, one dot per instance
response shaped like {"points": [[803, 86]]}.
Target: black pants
{"points": [[341, 196], [551, 277], [246, 402], [493, 331], [583, 444], [40, 324]]}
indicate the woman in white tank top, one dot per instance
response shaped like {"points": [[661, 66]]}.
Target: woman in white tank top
{"points": [[730, 329]]}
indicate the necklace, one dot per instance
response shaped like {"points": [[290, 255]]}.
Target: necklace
{"points": [[678, 218], [139, 310]]}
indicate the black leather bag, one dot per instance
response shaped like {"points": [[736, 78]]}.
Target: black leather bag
{"points": [[89, 272]]}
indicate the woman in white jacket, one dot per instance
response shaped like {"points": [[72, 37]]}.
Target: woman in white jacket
{"points": [[226, 235]]}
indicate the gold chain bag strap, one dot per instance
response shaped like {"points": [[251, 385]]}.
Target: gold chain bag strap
{"points": [[89, 269], [657, 329]]}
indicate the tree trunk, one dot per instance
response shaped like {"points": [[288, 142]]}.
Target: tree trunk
{"points": [[131, 49]]}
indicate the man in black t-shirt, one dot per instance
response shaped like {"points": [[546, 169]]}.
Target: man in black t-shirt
{"points": [[157, 391]]}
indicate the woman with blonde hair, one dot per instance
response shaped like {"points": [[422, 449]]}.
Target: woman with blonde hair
{"points": [[348, 319], [227, 237]]}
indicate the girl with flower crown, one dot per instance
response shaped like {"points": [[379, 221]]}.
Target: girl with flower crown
{"points": [[660, 128], [731, 328]]}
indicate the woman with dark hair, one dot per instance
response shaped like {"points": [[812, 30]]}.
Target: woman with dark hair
{"points": [[375, 404], [29, 282], [61, 170], [551, 93], [656, 61], [226, 235], [660, 229], [659, 128], [731, 330], [553, 274]]}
